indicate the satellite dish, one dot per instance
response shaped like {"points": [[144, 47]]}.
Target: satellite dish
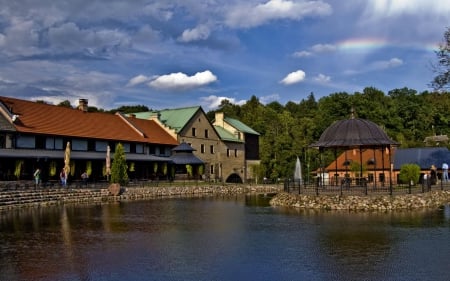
{"points": [[14, 117]]}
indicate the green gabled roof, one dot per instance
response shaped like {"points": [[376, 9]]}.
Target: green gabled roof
{"points": [[174, 118], [226, 135], [240, 126]]}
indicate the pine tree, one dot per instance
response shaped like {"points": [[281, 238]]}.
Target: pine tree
{"points": [[119, 166]]}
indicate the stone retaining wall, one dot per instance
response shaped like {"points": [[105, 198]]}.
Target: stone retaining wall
{"points": [[432, 199], [44, 197]]}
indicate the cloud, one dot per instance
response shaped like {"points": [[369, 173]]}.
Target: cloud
{"points": [[69, 37], [269, 98], [323, 48], [302, 54], [380, 65], [181, 81], [247, 16], [213, 102], [200, 32], [138, 80], [389, 8], [322, 79], [294, 77], [315, 49]]}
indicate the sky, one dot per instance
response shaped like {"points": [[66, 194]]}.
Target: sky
{"points": [[179, 53]]}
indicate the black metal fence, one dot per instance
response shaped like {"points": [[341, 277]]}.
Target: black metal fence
{"points": [[347, 186]]}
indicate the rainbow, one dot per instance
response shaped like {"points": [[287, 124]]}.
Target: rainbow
{"points": [[369, 44]]}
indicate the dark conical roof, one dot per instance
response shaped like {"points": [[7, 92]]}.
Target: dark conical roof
{"points": [[353, 132]]}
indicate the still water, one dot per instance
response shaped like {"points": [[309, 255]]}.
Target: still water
{"points": [[221, 238]]}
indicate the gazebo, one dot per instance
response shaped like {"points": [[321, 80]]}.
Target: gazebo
{"points": [[358, 135], [184, 159]]}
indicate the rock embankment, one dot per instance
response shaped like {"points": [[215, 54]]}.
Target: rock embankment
{"points": [[53, 196], [433, 199]]}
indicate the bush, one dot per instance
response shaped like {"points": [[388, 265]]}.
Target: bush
{"points": [[119, 166]]}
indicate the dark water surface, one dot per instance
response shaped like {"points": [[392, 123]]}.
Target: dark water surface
{"points": [[221, 238]]}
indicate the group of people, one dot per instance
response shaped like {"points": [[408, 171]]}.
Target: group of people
{"points": [[62, 177], [432, 176]]}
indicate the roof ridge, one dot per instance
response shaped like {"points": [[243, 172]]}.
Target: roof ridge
{"points": [[130, 124]]}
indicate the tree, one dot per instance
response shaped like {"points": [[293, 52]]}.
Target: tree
{"points": [[442, 79], [119, 166], [410, 173], [65, 103]]}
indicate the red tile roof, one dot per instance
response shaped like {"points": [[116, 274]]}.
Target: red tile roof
{"points": [[40, 118]]}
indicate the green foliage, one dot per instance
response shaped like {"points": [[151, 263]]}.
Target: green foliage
{"points": [[356, 168], [18, 170], [130, 109], [119, 166], [442, 69], [410, 173], [65, 103], [189, 170]]}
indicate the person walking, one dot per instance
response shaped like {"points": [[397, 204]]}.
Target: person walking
{"points": [[63, 178], [37, 177], [445, 172]]}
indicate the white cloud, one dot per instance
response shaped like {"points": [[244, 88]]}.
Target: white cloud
{"points": [[200, 32], [302, 54], [138, 80], [213, 102], [388, 8], [322, 78], [247, 16], [380, 65], [181, 81], [269, 98], [294, 77], [323, 48]]}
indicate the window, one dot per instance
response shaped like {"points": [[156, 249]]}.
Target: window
{"points": [[206, 134], [101, 145], [79, 145], [193, 132], [50, 143], [139, 148], [202, 148], [211, 149], [235, 153], [25, 141], [228, 152], [211, 169]]}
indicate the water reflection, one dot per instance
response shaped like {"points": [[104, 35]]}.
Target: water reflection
{"points": [[221, 238]]}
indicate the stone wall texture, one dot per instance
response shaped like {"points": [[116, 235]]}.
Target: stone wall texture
{"points": [[434, 199], [52, 196]]}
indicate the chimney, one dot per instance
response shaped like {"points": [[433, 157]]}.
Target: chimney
{"points": [[83, 105], [219, 119]]}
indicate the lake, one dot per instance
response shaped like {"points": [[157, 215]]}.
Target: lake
{"points": [[221, 238]]}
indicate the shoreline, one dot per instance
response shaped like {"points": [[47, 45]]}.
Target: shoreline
{"points": [[16, 199], [433, 199]]}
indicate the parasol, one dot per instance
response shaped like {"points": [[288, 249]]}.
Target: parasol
{"points": [[67, 160], [108, 162]]}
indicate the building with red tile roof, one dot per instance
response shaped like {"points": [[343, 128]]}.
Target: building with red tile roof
{"points": [[34, 134]]}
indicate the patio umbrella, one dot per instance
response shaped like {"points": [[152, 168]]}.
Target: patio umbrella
{"points": [[67, 160], [108, 162]]}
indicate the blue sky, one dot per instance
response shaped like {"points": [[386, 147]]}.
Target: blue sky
{"points": [[177, 53]]}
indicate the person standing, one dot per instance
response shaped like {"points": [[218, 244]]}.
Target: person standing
{"points": [[63, 178], [85, 177], [445, 172], [37, 177], [433, 175]]}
